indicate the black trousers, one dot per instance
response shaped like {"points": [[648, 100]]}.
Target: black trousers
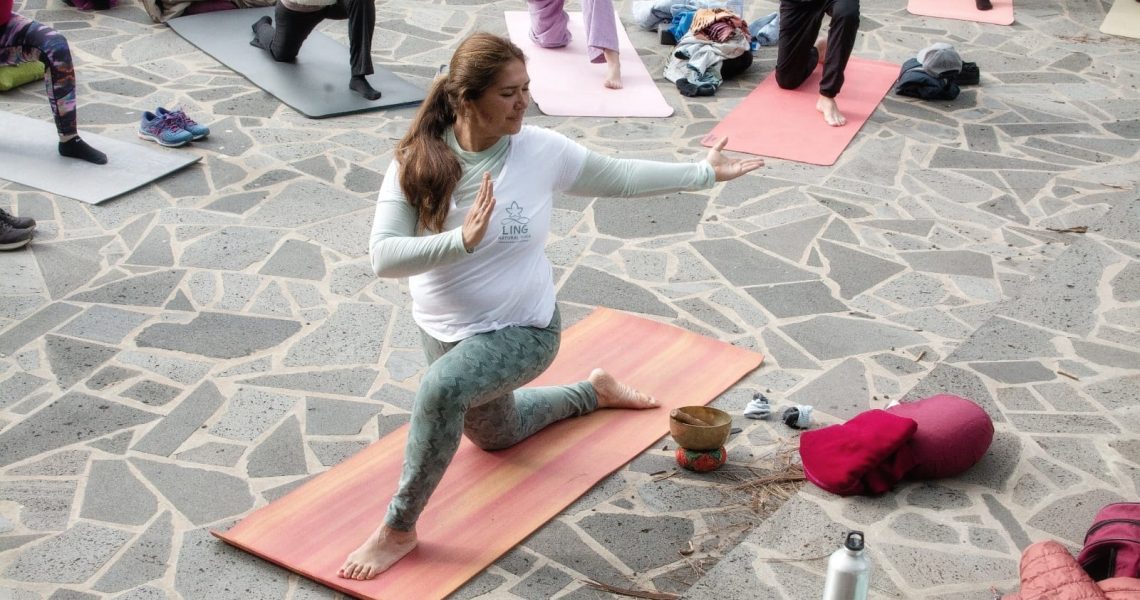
{"points": [[291, 28], [796, 55]]}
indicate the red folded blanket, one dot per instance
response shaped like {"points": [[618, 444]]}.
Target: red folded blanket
{"points": [[866, 455]]}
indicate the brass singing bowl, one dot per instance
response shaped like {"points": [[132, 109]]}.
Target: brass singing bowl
{"points": [[701, 437]]}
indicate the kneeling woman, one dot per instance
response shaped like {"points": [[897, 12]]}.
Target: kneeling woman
{"points": [[464, 212]]}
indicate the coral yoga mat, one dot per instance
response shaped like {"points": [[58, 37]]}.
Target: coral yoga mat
{"points": [[490, 501], [563, 81], [785, 123], [964, 10]]}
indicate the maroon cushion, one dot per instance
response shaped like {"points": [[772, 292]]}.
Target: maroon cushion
{"points": [[953, 434], [205, 6]]}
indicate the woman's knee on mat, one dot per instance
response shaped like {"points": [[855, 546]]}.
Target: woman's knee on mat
{"points": [[493, 425], [788, 81], [490, 439]]}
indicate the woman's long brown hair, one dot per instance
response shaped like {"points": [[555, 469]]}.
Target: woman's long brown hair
{"points": [[429, 170]]}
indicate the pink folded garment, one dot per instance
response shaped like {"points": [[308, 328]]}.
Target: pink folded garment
{"points": [[866, 455], [953, 435], [197, 8]]}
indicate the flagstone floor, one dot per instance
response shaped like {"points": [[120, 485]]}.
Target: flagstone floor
{"points": [[174, 358]]}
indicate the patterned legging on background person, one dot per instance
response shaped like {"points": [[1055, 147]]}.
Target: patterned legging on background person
{"points": [[24, 40], [472, 387]]}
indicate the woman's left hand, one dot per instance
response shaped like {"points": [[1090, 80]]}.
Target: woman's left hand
{"points": [[726, 168]]}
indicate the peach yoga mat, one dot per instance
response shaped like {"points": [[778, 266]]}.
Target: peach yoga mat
{"points": [[490, 501], [563, 81], [785, 123], [964, 10]]}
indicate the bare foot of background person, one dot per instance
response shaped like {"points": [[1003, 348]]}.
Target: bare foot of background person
{"points": [[381, 550], [821, 49], [830, 111], [614, 394], [613, 64]]}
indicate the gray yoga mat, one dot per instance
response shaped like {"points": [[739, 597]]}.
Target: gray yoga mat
{"points": [[315, 85], [29, 155]]}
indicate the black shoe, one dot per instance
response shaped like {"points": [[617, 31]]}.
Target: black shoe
{"points": [[16, 222], [969, 75], [13, 237]]}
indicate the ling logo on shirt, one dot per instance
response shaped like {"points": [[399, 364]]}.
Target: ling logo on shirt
{"points": [[514, 227]]}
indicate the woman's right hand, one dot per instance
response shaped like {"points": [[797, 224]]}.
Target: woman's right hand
{"points": [[475, 225], [727, 169]]}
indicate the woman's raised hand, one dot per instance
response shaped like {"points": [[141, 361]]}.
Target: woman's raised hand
{"points": [[729, 168], [475, 225]]}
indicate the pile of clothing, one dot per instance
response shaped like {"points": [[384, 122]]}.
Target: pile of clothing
{"points": [[648, 14], [936, 73], [716, 46]]}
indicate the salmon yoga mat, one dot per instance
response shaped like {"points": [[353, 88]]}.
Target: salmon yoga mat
{"points": [[490, 501], [964, 10], [785, 123], [1123, 19], [563, 81]]}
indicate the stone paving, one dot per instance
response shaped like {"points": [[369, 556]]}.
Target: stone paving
{"points": [[179, 356]]}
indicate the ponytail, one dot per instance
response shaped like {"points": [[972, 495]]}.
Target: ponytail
{"points": [[429, 170]]}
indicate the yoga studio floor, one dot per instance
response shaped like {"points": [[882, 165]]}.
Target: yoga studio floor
{"points": [[175, 358]]}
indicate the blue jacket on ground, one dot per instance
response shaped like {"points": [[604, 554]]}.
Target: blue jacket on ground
{"points": [[915, 82]]}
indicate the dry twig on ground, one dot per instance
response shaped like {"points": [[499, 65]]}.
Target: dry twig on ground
{"points": [[778, 483]]}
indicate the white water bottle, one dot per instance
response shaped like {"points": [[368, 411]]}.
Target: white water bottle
{"points": [[848, 571]]}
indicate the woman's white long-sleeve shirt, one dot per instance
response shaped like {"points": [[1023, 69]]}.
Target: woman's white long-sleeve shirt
{"points": [[506, 280]]}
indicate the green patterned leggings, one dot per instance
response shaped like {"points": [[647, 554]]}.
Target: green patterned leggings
{"points": [[472, 387]]}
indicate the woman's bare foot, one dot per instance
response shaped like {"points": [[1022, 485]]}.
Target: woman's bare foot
{"points": [[830, 111], [821, 49], [381, 550], [613, 64], [614, 394]]}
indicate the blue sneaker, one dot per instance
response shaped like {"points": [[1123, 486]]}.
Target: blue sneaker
{"points": [[163, 130], [184, 121]]}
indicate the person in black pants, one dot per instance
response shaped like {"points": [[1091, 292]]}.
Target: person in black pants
{"points": [[296, 19], [798, 51]]}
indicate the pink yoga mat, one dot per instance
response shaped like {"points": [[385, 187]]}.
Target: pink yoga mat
{"points": [[785, 123], [563, 81], [963, 10]]}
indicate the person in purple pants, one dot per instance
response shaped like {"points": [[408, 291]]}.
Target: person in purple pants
{"points": [[549, 29], [25, 40]]}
